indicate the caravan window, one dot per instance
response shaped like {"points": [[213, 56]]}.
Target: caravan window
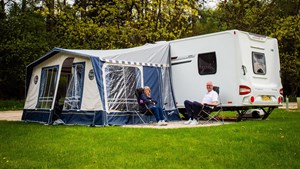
{"points": [[74, 91], [207, 63], [121, 82], [259, 63], [47, 87]]}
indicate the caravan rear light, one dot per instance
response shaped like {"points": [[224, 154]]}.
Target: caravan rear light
{"points": [[244, 90], [281, 91], [252, 99], [280, 100]]}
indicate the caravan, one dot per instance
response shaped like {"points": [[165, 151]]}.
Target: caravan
{"points": [[96, 87], [244, 65]]}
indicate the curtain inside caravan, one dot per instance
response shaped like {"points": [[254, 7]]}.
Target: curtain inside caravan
{"points": [[121, 82], [74, 91]]}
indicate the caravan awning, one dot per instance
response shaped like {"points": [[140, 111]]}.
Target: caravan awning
{"points": [[156, 55], [148, 54]]}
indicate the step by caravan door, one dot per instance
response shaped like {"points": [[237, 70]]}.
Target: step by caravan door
{"points": [[260, 83]]}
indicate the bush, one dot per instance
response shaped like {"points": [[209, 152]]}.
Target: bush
{"points": [[11, 105]]}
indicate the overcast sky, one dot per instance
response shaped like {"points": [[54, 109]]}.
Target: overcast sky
{"points": [[212, 3]]}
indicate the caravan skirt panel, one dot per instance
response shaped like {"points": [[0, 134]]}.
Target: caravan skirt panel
{"points": [[172, 115], [125, 118], [84, 117], [36, 115]]}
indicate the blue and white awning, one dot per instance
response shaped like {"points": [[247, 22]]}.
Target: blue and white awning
{"points": [[155, 55], [134, 63]]}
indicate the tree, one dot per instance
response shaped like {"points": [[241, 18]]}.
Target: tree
{"points": [[205, 23], [288, 35], [23, 39], [285, 8], [120, 24], [29, 30], [2, 9], [275, 18], [249, 15]]}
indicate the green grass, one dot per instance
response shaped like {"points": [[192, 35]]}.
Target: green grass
{"points": [[11, 105], [273, 143]]}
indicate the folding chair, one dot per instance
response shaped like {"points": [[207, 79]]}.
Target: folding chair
{"points": [[143, 109], [210, 114]]}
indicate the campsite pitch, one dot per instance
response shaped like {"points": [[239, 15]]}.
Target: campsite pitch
{"points": [[16, 116], [11, 115], [272, 143], [176, 124]]}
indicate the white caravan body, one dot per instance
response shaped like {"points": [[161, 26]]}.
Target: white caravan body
{"points": [[245, 66]]}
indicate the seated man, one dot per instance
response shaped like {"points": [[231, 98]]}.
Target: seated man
{"points": [[193, 108]]}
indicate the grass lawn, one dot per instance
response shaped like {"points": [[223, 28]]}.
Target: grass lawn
{"points": [[272, 143]]}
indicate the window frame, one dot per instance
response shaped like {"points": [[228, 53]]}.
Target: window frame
{"points": [[129, 102], [264, 69], [201, 70], [44, 85], [74, 99]]}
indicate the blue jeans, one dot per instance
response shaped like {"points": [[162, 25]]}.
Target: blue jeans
{"points": [[158, 113]]}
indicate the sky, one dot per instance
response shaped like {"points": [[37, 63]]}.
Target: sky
{"points": [[212, 3]]}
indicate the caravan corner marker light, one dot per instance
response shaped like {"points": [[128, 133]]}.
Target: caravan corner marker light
{"points": [[252, 99], [280, 100]]}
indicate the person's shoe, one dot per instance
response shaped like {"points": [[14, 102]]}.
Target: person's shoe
{"points": [[160, 123], [194, 122], [188, 122], [164, 123]]}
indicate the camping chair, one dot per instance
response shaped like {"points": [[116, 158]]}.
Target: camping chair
{"points": [[210, 114], [143, 109]]}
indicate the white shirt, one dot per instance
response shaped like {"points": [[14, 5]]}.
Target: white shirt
{"points": [[210, 97]]}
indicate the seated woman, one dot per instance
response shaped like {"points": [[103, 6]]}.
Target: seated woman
{"points": [[151, 103]]}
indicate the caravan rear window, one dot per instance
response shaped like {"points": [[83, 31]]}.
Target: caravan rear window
{"points": [[259, 63], [207, 63]]}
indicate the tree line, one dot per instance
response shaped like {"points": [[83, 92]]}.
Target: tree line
{"points": [[30, 28]]}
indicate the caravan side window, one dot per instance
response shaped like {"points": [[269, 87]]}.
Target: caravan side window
{"points": [[207, 63], [47, 87], [259, 63], [74, 91], [121, 83]]}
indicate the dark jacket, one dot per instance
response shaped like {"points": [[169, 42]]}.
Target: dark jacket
{"points": [[150, 102]]}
